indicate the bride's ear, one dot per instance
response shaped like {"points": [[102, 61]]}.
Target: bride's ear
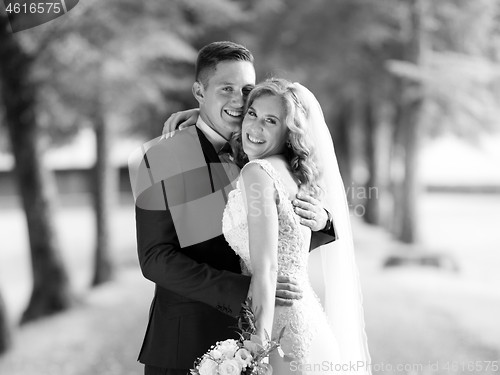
{"points": [[198, 92]]}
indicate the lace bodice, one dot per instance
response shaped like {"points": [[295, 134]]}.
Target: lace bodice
{"points": [[292, 261], [292, 256]]}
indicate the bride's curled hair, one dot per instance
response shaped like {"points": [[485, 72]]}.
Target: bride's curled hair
{"points": [[299, 150]]}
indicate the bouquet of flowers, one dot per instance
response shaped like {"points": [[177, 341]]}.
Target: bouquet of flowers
{"points": [[239, 357]]}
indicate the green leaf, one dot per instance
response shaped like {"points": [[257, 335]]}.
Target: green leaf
{"points": [[280, 351], [256, 339], [267, 335], [282, 332]]}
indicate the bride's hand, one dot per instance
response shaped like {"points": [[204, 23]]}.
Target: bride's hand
{"points": [[311, 212], [180, 120], [287, 291]]}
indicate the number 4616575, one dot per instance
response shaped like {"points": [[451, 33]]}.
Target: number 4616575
{"points": [[33, 8], [471, 366]]}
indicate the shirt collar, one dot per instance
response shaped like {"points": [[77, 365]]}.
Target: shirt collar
{"points": [[213, 137]]}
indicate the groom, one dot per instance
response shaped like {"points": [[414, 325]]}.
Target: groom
{"points": [[199, 288]]}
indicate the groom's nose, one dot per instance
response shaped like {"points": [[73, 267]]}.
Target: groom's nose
{"points": [[238, 99]]}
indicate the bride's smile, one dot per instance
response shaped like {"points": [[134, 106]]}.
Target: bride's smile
{"points": [[255, 140]]}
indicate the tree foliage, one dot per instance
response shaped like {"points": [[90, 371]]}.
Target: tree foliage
{"points": [[354, 54]]}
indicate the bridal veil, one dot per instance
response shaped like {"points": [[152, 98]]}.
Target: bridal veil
{"points": [[342, 297]]}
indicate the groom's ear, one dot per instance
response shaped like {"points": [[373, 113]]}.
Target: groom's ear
{"points": [[198, 92]]}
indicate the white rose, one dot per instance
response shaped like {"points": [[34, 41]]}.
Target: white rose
{"points": [[208, 367], [216, 353], [230, 367], [228, 348], [243, 357]]}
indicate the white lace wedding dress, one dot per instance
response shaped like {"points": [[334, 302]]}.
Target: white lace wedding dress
{"points": [[309, 343]]}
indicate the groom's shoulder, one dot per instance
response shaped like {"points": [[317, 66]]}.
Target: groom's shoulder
{"points": [[186, 134], [182, 140]]}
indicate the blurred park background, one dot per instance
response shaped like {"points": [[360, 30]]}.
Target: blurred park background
{"points": [[410, 90]]}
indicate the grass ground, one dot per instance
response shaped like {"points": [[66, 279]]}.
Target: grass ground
{"points": [[419, 320]]}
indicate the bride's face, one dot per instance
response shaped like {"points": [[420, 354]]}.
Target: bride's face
{"points": [[264, 132]]}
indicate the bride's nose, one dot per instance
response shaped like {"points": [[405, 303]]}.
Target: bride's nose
{"points": [[258, 125]]}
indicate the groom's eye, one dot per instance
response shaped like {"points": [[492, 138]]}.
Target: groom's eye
{"points": [[227, 88], [251, 113]]}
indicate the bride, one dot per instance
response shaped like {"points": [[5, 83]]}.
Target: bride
{"points": [[289, 148]]}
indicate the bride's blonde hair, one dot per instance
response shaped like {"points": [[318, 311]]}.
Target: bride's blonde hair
{"points": [[299, 150]]}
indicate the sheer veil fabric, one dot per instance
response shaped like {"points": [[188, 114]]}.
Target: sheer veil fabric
{"points": [[342, 297]]}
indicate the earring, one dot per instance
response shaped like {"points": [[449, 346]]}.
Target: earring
{"points": [[288, 144]]}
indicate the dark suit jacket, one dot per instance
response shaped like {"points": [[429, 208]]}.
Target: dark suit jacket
{"points": [[199, 289]]}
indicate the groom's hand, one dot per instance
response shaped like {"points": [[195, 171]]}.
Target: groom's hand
{"points": [[287, 291], [180, 120], [311, 212]]}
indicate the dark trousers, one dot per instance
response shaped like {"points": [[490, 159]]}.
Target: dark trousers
{"points": [[153, 370]]}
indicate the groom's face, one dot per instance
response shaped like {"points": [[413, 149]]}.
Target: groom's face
{"points": [[223, 96]]}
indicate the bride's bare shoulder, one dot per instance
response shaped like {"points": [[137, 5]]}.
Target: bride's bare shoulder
{"points": [[281, 165], [278, 162]]}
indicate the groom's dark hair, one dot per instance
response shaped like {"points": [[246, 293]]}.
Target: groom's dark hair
{"points": [[216, 52]]}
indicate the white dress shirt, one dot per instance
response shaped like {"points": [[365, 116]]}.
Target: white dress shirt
{"points": [[218, 141]]}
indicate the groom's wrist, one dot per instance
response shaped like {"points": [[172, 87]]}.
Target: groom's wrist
{"points": [[330, 227], [329, 222]]}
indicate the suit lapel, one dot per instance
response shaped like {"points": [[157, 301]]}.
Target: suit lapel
{"points": [[218, 175], [208, 149]]}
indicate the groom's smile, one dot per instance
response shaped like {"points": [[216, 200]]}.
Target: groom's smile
{"points": [[235, 114]]}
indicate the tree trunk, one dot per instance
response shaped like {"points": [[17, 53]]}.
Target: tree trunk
{"points": [[51, 292], [341, 134], [372, 185], [407, 133], [406, 201], [103, 194], [5, 334]]}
